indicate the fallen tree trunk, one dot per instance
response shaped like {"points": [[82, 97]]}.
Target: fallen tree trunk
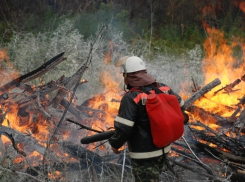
{"points": [[32, 143]]}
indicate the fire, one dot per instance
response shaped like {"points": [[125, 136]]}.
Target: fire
{"points": [[220, 63], [108, 102], [7, 72], [5, 140], [21, 123], [107, 58], [35, 158], [57, 176], [3, 55], [241, 5]]}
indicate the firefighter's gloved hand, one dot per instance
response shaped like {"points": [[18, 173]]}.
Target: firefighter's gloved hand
{"points": [[116, 151], [186, 118]]}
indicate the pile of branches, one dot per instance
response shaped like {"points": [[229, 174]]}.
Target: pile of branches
{"points": [[32, 102]]}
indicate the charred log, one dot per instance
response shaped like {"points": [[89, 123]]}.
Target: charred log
{"points": [[3, 115], [83, 126], [201, 92], [98, 113], [33, 74], [72, 81], [240, 123], [219, 142], [43, 91], [32, 143], [83, 112], [228, 158], [205, 115], [23, 116], [229, 88], [233, 116]]}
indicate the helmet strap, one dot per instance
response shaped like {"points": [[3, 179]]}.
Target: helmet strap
{"points": [[125, 86]]}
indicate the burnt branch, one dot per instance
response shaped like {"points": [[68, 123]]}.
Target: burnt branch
{"points": [[223, 156], [201, 92], [41, 108], [72, 81], [205, 115], [229, 88], [33, 74], [27, 140], [10, 137], [221, 143], [3, 115], [83, 126], [240, 123], [43, 90], [61, 87], [81, 71]]}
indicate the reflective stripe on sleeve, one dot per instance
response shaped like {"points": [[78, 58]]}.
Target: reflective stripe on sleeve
{"points": [[182, 102], [146, 155], [124, 121]]}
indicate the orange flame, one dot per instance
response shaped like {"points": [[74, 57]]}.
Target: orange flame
{"points": [[107, 58], [3, 55], [220, 63], [8, 73], [241, 5]]}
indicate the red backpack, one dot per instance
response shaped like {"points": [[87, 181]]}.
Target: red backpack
{"points": [[165, 115]]}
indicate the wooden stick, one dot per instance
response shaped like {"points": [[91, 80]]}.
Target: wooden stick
{"points": [[33, 74], [236, 150], [72, 81], [83, 126], [48, 117], [201, 92]]}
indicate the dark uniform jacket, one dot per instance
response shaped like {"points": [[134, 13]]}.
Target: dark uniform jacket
{"points": [[132, 125]]}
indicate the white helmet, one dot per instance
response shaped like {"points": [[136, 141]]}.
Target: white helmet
{"points": [[130, 64]]}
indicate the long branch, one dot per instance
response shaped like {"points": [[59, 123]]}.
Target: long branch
{"points": [[33, 74], [83, 68]]}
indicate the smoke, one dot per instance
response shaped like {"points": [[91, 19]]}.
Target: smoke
{"points": [[27, 51]]}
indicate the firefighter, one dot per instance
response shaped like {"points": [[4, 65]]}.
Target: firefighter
{"points": [[132, 124]]}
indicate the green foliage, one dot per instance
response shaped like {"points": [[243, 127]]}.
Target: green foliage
{"points": [[87, 23], [1, 28], [176, 40], [232, 27], [5, 176], [173, 37], [28, 51]]}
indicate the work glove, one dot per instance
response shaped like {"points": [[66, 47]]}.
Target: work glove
{"points": [[116, 151]]}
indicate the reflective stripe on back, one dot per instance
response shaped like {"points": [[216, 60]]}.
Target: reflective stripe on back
{"points": [[146, 155]]}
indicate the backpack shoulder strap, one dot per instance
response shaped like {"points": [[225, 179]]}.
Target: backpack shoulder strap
{"points": [[141, 89], [155, 86]]}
